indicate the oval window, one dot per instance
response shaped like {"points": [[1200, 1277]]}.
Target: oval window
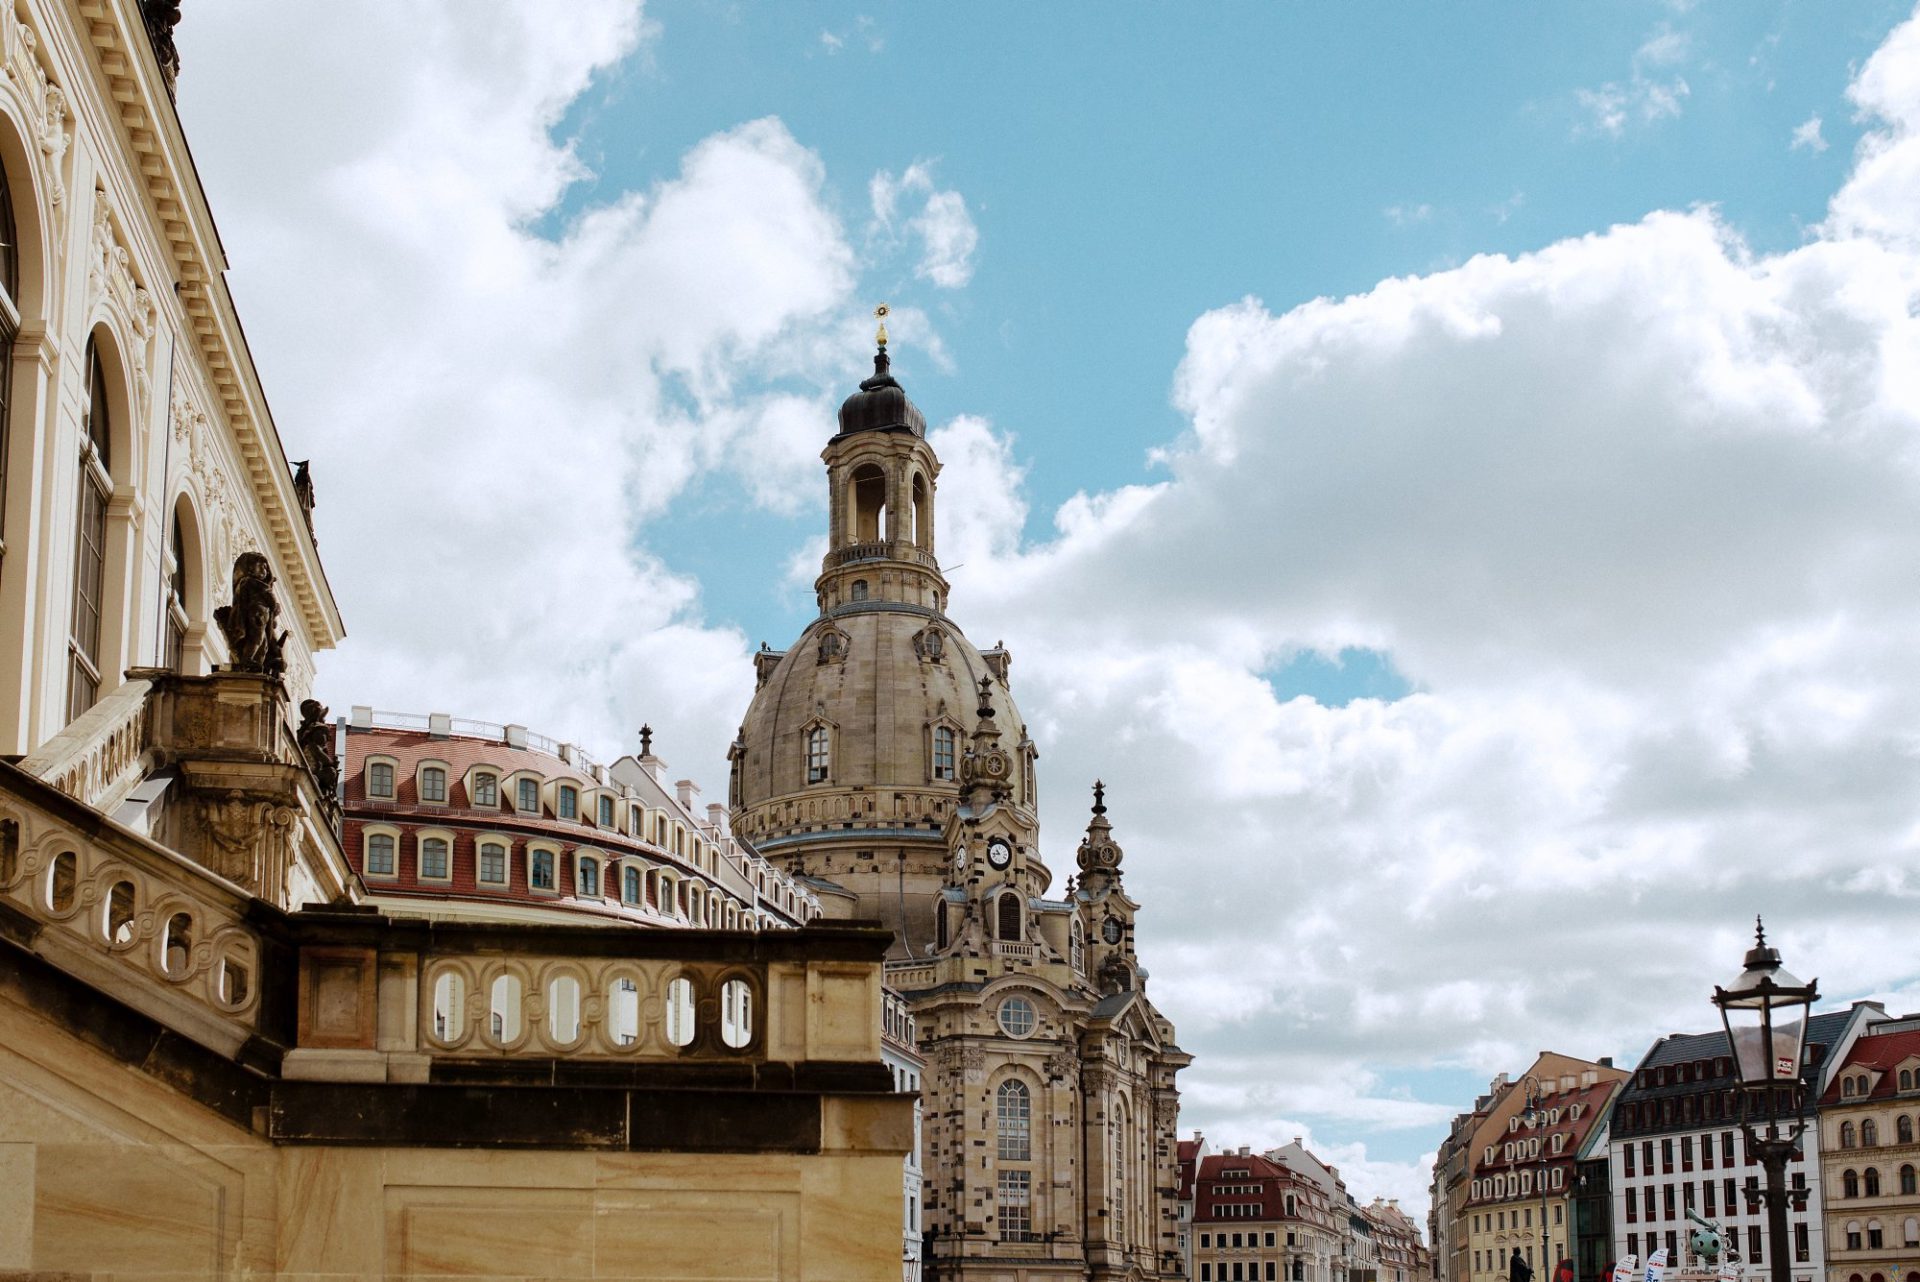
{"points": [[563, 1010], [62, 879], [176, 949], [623, 1012], [236, 984], [680, 1011], [120, 913], [736, 1013], [449, 1007], [505, 1013]]}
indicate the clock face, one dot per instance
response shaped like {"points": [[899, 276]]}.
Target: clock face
{"points": [[1111, 930], [999, 853]]}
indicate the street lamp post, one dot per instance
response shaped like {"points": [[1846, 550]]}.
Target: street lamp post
{"points": [[1537, 1118], [1765, 1014]]}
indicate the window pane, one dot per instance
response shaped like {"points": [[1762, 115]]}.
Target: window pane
{"points": [[530, 794], [433, 784], [493, 864], [486, 790], [433, 857], [380, 779], [380, 855], [542, 875]]}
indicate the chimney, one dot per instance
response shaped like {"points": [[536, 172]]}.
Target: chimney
{"points": [[1243, 1151], [1606, 1061], [687, 790], [717, 819]]}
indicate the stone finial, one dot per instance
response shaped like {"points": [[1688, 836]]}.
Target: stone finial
{"points": [[249, 619], [646, 740]]}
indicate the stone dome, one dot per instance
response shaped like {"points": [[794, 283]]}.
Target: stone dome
{"points": [[882, 679]]}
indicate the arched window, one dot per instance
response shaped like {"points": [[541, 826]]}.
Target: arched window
{"points": [[1077, 946], [90, 541], [1903, 1129], [1846, 1135], [1007, 913], [943, 754], [380, 779], [1873, 1182], [1850, 1184], [433, 783], [818, 759], [1120, 1173], [1869, 1134], [869, 492], [1013, 1113], [1906, 1079], [922, 513], [486, 789], [540, 870], [493, 863], [380, 857], [1907, 1185], [940, 926], [858, 590], [175, 624], [9, 326], [588, 875], [569, 802], [1846, 1086], [433, 857], [630, 885], [1911, 1231], [528, 801]]}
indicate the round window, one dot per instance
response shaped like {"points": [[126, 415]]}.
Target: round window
{"points": [[1017, 1018]]}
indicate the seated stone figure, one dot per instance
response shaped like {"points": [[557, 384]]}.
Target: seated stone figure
{"points": [[248, 621]]}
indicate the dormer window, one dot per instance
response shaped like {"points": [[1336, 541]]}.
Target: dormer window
{"points": [[569, 802], [486, 789], [380, 780], [587, 874], [433, 783], [529, 796], [630, 885], [818, 759], [943, 752], [606, 812]]}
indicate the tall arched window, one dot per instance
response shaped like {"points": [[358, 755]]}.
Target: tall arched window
{"points": [[1013, 1114], [1907, 1185], [818, 759], [630, 884], [1120, 1173], [9, 326], [587, 873], [940, 926], [1873, 1182], [1846, 1135], [1007, 911], [90, 541], [1077, 946], [922, 513], [1869, 1134], [175, 624], [1850, 1184], [943, 754]]}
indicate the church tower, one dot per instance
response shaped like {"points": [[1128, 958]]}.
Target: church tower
{"points": [[883, 757]]}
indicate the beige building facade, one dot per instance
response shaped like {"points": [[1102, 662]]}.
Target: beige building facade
{"points": [[218, 1058], [883, 761], [1869, 1119]]}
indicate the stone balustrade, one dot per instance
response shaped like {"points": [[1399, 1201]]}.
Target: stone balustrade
{"points": [[100, 757], [128, 916]]}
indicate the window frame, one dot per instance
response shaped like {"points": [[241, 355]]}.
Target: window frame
{"points": [[480, 844], [421, 837], [367, 766], [477, 772], [566, 800], [534, 853], [521, 778], [368, 832], [420, 778], [816, 754], [584, 861]]}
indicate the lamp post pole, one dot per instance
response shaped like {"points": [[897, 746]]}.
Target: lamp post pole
{"points": [[1765, 1012], [1537, 1113]]}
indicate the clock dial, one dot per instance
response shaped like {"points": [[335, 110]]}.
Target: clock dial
{"points": [[1111, 930], [999, 853]]}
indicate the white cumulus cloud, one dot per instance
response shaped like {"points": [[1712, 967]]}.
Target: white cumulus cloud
{"points": [[942, 226]]}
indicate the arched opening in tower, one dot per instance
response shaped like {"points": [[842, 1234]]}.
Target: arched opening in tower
{"points": [[922, 514], [869, 504]]}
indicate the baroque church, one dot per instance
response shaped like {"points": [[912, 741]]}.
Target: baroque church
{"points": [[883, 761]]}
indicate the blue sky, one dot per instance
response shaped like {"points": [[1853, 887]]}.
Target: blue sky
{"points": [[1132, 168], [1469, 655]]}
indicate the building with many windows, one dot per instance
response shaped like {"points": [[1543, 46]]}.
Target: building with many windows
{"points": [[1675, 1145], [1524, 1165], [1259, 1220], [1870, 1156], [1399, 1253], [463, 820]]}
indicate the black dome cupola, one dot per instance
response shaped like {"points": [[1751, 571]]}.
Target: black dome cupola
{"points": [[881, 404]]}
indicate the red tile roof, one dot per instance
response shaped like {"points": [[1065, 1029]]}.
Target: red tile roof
{"points": [[1218, 1184], [1881, 1054]]}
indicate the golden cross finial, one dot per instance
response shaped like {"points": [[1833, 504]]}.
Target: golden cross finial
{"points": [[880, 314]]}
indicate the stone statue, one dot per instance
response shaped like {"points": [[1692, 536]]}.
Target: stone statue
{"points": [[249, 619], [316, 743], [303, 490]]}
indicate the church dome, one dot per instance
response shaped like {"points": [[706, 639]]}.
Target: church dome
{"points": [[891, 694], [881, 404]]}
